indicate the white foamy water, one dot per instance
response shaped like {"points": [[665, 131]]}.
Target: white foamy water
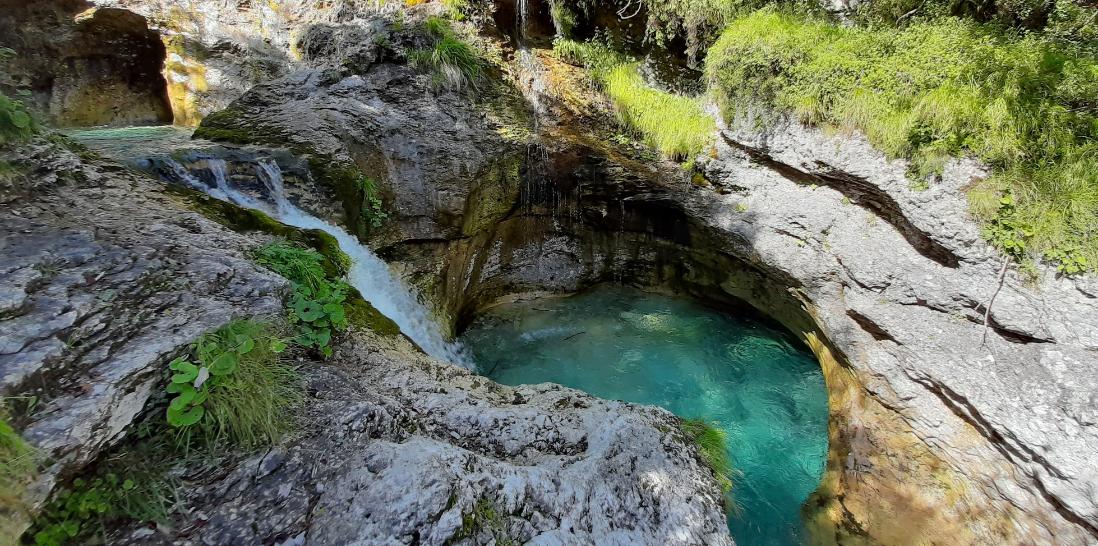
{"points": [[368, 273]]}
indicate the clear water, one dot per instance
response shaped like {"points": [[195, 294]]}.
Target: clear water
{"points": [[131, 145], [756, 383]]}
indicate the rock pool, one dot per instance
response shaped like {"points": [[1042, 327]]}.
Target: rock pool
{"points": [[755, 382]]}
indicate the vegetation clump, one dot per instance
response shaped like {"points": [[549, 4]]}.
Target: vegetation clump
{"points": [[79, 513], [233, 387], [18, 466], [16, 123], [373, 209], [711, 446], [933, 91], [675, 125], [452, 63], [317, 308]]}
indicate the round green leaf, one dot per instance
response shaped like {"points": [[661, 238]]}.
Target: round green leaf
{"points": [[224, 364], [185, 418], [20, 119]]}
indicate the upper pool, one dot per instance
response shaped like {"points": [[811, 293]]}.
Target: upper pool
{"points": [[753, 381]]}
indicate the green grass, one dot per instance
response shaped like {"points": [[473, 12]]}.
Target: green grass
{"points": [[16, 123], [711, 446], [453, 64], [675, 125], [1024, 105], [300, 265], [18, 466], [249, 407]]}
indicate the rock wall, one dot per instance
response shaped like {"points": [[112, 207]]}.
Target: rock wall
{"points": [[942, 431], [85, 66], [217, 50]]}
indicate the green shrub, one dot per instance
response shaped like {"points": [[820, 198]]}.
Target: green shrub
{"points": [[16, 123], [78, 514], [452, 63], [677, 126], [317, 308], [711, 446], [933, 91], [233, 387], [372, 207]]}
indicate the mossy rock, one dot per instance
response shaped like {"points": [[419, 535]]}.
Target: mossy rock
{"points": [[363, 315], [241, 220]]}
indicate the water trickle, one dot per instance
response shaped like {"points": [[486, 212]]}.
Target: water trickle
{"points": [[368, 273]]}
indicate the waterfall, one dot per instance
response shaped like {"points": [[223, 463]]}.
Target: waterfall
{"points": [[368, 273], [521, 7]]}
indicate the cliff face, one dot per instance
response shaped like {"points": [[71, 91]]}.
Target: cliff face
{"points": [[84, 66], [943, 430]]}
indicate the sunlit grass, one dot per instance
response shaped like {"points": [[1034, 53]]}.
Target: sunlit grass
{"points": [[675, 125], [933, 91]]}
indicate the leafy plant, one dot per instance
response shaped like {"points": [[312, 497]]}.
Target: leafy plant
{"points": [[317, 314], [233, 387], [16, 123], [372, 206]]}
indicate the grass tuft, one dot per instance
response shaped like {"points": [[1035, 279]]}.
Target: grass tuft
{"points": [[711, 446], [677, 126], [935, 90], [453, 64], [247, 408], [300, 265]]}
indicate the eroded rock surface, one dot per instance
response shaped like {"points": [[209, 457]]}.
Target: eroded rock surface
{"points": [[105, 278], [400, 449]]}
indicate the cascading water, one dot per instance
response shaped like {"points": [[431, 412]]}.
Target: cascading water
{"points": [[368, 273]]}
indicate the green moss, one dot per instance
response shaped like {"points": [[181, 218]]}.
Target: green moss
{"points": [[484, 518], [710, 441], [363, 315], [495, 194], [936, 90]]}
